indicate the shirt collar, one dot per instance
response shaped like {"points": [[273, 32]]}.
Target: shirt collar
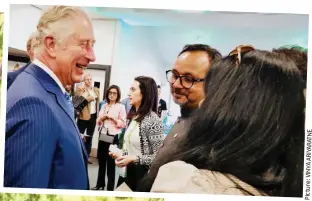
{"points": [[50, 72]]}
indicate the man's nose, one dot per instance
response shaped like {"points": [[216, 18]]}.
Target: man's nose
{"points": [[90, 55], [177, 83]]}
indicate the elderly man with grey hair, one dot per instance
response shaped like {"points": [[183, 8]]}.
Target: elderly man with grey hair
{"points": [[43, 146]]}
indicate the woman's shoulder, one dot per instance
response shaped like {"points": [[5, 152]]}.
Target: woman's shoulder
{"points": [[181, 177], [174, 177], [119, 105], [152, 116], [152, 119]]}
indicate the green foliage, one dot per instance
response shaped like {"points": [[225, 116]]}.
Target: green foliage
{"points": [[42, 197], [1, 34], [29, 197], [54, 198]]}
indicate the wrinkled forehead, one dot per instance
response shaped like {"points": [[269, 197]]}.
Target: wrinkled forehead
{"points": [[81, 29]]}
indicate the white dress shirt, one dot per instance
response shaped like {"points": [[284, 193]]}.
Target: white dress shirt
{"points": [[93, 103]]}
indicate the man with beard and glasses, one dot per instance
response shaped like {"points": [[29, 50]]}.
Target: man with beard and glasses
{"points": [[186, 80]]}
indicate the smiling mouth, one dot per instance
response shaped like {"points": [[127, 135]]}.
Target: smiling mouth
{"points": [[81, 66]]}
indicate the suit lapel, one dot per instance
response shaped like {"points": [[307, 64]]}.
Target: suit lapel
{"points": [[51, 86]]}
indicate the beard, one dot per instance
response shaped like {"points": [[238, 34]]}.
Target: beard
{"points": [[179, 97]]}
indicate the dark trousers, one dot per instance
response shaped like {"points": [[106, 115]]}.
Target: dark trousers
{"points": [[134, 175], [106, 160], [90, 126]]}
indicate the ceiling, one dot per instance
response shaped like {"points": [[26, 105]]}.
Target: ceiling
{"points": [[172, 29], [166, 17]]}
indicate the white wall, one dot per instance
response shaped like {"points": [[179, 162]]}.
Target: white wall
{"points": [[104, 33], [172, 39], [23, 22], [136, 54]]}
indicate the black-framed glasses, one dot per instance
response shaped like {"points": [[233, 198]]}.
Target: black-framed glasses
{"points": [[186, 81]]}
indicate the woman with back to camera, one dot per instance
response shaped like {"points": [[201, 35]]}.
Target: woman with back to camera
{"points": [[248, 135], [143, 135], [112, 118]]}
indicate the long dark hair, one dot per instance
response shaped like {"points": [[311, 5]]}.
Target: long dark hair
{"points": [[299, 55], [118, 93], [251, 124], [149, 102]]}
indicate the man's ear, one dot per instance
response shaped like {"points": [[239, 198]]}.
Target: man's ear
{"points": [[49, 45]]}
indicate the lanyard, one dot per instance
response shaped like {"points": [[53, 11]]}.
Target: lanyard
{"points": [[109, 108], [129, 135]]}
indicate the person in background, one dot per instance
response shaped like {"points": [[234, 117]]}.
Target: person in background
{"points": [[187, 89], [69, 90], [43, 147], [113, 117], [143, 135], [247, 137], [87, 118], [16, 67], [126, 103], [102, 103], [300, 56], [162, 105], [31, 43]]}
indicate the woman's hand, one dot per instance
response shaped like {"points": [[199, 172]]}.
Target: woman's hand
{"points": [[98, 121], [90, 98], [114, 155], [113, 119], [101, 119], [123, 161]]}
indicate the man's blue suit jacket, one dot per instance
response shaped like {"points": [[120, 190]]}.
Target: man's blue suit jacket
{"points": [[43, 147]]}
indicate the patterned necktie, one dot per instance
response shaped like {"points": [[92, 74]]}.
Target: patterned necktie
{"points": [[70, 104]]}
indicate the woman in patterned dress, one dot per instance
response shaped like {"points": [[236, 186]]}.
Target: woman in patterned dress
{"points": [[144, 133]]}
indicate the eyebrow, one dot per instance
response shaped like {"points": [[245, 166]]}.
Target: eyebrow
{"points": [[186, 74], [87, 40]]}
